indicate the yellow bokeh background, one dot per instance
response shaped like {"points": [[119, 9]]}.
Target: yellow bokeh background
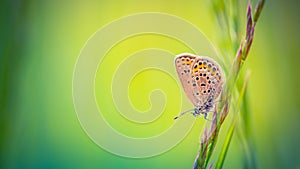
{"points": [[40, 43]]}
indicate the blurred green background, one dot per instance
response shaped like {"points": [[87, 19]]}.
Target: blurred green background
{"points": [[41, 40]]}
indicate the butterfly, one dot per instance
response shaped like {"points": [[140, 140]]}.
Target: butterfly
{"points": [[202, 79]]}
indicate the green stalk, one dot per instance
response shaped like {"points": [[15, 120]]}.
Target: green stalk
{"points": [[226, 145], [208, 142], [230, 132]]}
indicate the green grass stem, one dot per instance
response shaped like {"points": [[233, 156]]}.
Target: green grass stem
{"points": [[210, 135]]}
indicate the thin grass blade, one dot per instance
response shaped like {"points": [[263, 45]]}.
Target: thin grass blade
{"points": [[226, 144], [230, 132]]}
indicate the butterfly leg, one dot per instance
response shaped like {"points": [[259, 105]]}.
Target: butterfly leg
{"points": [[196, 114], [205, 117]]}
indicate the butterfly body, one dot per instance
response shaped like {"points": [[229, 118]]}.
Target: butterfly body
{"points": [[202, 80]]}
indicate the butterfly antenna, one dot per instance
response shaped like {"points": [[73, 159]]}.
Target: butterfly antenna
{"points": [[181, 114]]}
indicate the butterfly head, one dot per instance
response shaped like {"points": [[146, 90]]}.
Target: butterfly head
{"points": [[203, 108]]}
